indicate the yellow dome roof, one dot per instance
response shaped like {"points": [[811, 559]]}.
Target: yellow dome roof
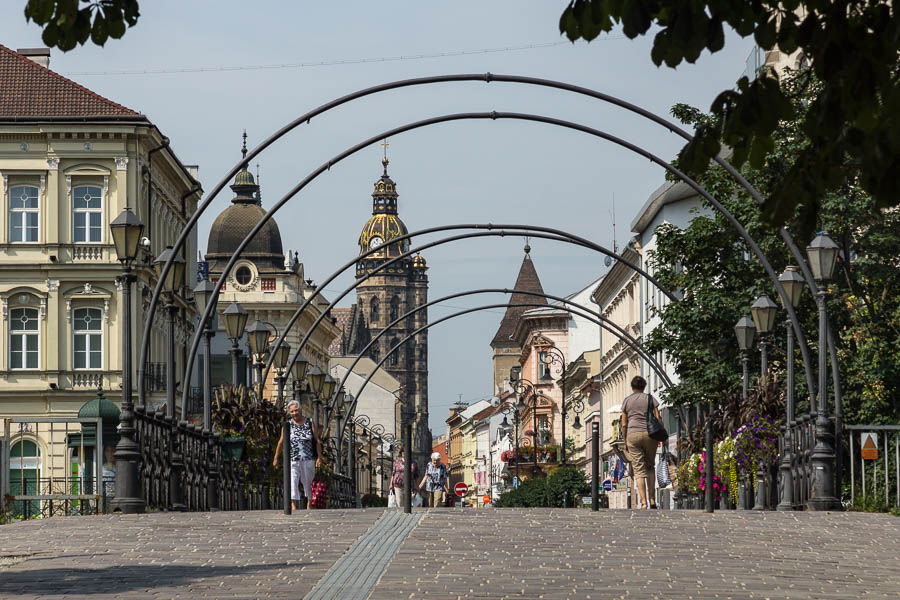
{"points": [[419, 262], [378, 231]]}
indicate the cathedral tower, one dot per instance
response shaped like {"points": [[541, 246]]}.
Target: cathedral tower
{"points": [[385, 296]]}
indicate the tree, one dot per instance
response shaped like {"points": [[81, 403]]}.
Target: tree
{"points": [[720, 280], [852, 46], [68, 23]]}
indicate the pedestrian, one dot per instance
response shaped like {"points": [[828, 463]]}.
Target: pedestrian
{"points": [[306, 454], [435, 481], [397, 477], [639, 446]]}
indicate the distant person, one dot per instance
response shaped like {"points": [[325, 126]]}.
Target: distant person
{"points": [[108, 471], [305, 456], [397, 477], [639, 446], [435, 481]]}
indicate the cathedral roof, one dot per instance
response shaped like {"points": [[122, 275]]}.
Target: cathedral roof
{"points": [[235, 222], [384, 225], [528, 281]]}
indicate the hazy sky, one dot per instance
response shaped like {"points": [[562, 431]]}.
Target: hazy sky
{"points": [[463, 172]]}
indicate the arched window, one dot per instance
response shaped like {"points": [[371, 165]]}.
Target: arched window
{"points": [[374, 310], [88, 338], [23, 213], [376, 353], [24, 338], [24, 470], [395, 308], [394, 357], [87, 206]]}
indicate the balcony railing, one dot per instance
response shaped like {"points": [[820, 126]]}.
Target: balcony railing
{"points": [[155, 377]]}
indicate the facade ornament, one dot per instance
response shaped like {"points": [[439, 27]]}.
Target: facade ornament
{"points": [[69, 186], [118, 284], [23, 146], [52, 285], [5, 308], [43, 183], [43, 309], [106, 310], [88, 146], [121, 163], [105, 186], [24, 298], [53, 163], [88, 288], [68, 310]]}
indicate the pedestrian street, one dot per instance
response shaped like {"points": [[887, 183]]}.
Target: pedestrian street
{"points": [[454, 553]]}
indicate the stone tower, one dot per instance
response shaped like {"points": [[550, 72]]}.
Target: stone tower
{"points": [[386, 296]]}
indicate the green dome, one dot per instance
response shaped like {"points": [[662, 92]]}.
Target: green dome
{"points": [[99, 406]]}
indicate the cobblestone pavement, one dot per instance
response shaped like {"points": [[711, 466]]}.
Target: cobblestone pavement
{"points": [[453, 553]]}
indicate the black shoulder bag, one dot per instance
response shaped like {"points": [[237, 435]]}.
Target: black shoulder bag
{"points": [[315, 446], [655, 429]]}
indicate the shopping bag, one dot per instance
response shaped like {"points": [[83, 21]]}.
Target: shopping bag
{"points": [[319, 493], [417, 500], [662, 470], [392, 500]]}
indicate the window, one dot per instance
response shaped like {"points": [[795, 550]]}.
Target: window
{"points": [[374, 310], [24, 468], [267, 285], [87, 203], [395, 308], [543, 367], [23, 213], [394, 357], [243, 275], [23, 338], [88, 329]]}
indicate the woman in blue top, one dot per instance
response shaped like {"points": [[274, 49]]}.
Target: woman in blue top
{"points": [[304, 456]]}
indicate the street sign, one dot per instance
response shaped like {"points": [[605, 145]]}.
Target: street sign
{"points": [[607, 485], [486, 499], [869, 444], [461, 489]]}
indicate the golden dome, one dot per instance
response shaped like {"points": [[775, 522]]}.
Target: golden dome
{"points": [[244, 177], [419, 262], [378, 231]]}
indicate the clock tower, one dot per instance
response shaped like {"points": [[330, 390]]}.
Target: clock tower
{"points": [[387, 295]]}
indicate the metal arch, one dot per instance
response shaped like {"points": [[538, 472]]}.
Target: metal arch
{"points": [[502, 231], [582, 311], [428, 326], [515, 116], [489, 77]]}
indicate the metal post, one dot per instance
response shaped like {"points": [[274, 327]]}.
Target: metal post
{"points": [[822, 458], [170, 361], [708, 465], [128, 497], [212, 479], [407, 461], [595, 466], [518, 457], [286, 462], [564, 414], [745, 364], [853, 471], [176, 489], [351, 464], [371, 465], [235, 350], [534, 438], [787, 452], [207, 402], [764, 360], [279, 380]]}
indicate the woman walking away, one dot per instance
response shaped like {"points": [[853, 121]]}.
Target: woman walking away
{"points": [[305, 456], [397, 475], [639, 446], [435, 481]]}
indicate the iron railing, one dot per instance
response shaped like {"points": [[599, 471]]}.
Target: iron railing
{"points": [[873, 480], [155, 377]]}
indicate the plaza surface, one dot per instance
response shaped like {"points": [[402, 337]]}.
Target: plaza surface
{"points": [[453, 553]]}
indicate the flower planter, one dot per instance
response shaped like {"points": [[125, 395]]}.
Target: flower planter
{"points": [[233, 448]]}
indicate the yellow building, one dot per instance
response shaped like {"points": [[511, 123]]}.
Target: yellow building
{"points": [[70, 162]]}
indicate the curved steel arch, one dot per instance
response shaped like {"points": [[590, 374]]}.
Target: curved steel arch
{"points": [[503, 230], [489, 77], [801, 338], [579, 309]]}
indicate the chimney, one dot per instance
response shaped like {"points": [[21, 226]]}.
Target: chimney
{"points": [[40, 56]]}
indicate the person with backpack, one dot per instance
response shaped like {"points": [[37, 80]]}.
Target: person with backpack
{"points": [[436, 481], [306, 452], [642, 432], [397, 479]]}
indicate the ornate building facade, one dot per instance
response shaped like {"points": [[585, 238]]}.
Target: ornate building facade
{"points": [[383, 298]]}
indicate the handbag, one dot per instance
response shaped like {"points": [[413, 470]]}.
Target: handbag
{"points": [[315, 446], [655, 429], [662, 470], [392, 500]]}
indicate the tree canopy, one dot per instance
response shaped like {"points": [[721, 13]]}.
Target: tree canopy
{"points": [[852, 48], [67, 23]]}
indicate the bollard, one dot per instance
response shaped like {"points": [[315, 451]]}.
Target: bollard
{"points": [[595, 466], [286, 459]]}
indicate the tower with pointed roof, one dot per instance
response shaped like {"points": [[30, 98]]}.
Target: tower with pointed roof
{"points": [[506, 350], [383, 297]]}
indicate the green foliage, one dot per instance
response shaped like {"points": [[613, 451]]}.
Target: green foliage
{"points": [[68, 23], [235, 412], [562, 482], [852, 48], [719, 281], [372, 501], [5, 511], [870, 503]]}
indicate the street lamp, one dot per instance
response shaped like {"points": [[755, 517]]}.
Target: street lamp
{"points": [[519, 384], [745, 331], [202, 295], [822, 254], [316, 378], [282, 353], [514, 411], [553, 356], [170, 285], [258, 338], [235, 322], [793, 284], [126, 232], [764, 312]]}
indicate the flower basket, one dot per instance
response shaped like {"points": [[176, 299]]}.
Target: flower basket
{"points": [[233, 447]]}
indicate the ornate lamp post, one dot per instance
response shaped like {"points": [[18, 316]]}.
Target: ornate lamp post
{"points": [[822, 254], [551, 356], [282, 353], [298, 372], [126, 233], [258, 337], [745, 331], [764, 312], [513, 410], [202, 294], [235, 322], [793, 284], [519, 385]]}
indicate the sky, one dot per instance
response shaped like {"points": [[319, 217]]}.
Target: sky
{"points": [[177, 67]]}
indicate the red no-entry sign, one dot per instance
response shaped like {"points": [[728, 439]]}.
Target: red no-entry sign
{"points": [[461, 489]]}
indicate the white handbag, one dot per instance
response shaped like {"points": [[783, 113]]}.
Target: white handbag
{"points": [[417, 500], [392, 500]]}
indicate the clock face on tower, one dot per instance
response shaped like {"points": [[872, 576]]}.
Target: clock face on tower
{"points": [[375, 242]]}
